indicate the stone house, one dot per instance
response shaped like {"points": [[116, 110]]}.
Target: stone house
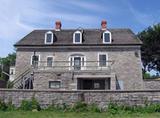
{"points": [[79, 59]]}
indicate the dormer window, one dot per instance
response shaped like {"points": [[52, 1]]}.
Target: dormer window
{"points": [[107, 37], [77, 37], [49, 38]]}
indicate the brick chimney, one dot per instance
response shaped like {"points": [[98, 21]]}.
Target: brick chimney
{"points": [[58, 25], [104, 25]]}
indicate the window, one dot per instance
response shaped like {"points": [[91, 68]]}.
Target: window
{"points": [[106, 37], [35, 60], [77, 62], [49, 38], [77, 37], [11, 71], [103, 60], [49, 61], [119, 85], [54, 84]]}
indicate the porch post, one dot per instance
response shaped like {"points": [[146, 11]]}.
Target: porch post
{"points": [[113, 82]]}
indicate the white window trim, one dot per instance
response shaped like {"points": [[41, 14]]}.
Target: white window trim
{"points": [[49, 32], [103, 53], [71, 66], [110, 37], [38, 59], [80, 37], [52, 61]]}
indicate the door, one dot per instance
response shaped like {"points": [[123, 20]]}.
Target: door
{"points": [[91, 84], [77, 63]]}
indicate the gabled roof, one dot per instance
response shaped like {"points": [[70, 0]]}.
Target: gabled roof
{"points": [[90, 37]]}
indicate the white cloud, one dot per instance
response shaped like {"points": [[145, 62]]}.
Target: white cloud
{"points": [[19, 17]]}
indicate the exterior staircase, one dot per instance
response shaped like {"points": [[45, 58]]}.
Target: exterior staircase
{"points": [[24, 79]]}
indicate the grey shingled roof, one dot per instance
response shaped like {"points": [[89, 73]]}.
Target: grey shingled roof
{"points": [[90, 37]]}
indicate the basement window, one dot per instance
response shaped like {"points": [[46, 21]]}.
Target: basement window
{"points": [[107, 37], [77, 37], [49, 37], [54, 84]]}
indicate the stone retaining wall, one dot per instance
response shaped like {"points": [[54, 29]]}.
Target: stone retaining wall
{"points": [[101, 98]]}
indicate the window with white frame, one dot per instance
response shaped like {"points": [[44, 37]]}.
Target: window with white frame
{"points": [[107, 37], [77, 62], [49, 37], [102, 60], [35, 60], [77, 37], [49, 61], [54, 84]]}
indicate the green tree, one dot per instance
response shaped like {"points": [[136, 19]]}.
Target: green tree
{"points": [[151, 48], [5, 63]]}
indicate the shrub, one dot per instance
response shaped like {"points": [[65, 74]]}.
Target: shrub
{"points": [[113, 108], [94, 108], [29, 105], [3, 105], [80, 107], [10, 106]]}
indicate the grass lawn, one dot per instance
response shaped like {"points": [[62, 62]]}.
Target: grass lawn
{"points": [[52, 114]]}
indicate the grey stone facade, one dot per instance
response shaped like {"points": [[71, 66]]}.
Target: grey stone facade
{"points": [[126, 67], [152, 84], [101, 98]]}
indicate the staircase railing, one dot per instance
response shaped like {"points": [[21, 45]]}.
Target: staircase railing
{"points": [[20, 76]]}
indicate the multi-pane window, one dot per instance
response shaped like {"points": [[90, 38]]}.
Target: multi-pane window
{"points": [[49, 38], [77, 62], [102, 60], [77, 37], [106, 37], [35, 60], [54, 84], [49, 61]]}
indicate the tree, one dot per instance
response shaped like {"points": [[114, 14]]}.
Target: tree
{"points": [[151, 48], [5, 63]]}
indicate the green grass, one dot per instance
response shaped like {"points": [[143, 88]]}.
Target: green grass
{"points": [[54, 114]]}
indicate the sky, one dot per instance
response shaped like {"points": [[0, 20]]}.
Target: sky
{"points": [[20, 17]]}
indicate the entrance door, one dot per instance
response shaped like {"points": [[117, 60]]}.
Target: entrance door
{"points": [[77, 63], [92, 84]]}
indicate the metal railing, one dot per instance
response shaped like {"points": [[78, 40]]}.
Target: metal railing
{"points": [[72, 66]]}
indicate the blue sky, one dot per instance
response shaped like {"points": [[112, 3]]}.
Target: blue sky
{"points": [[19, 17]]}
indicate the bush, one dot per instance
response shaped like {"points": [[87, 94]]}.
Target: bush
{"points": [[10, 106], [3, 105], [29, 105], [80, 107], [114, 108], [59, 107], [94, 108]]}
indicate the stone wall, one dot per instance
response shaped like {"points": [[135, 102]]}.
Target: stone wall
{"points": [[127, 66], [101, 98], [151, 84]]}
